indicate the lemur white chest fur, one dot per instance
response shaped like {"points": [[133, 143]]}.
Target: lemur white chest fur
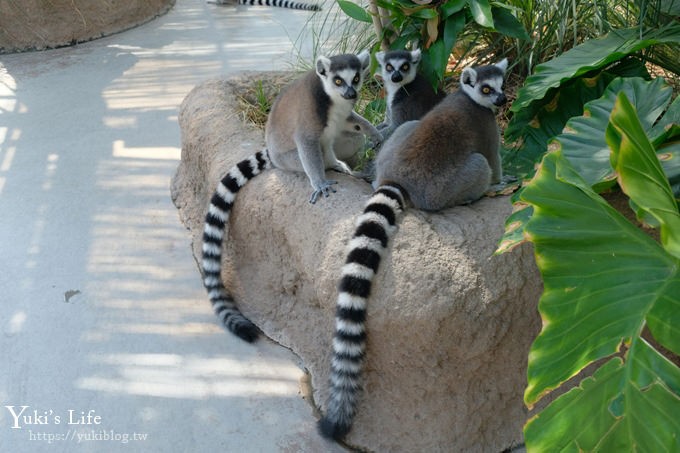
{"points": [[339, 118], [448, 157]]}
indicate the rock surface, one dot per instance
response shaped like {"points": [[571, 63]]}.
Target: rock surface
{"points": [[38, 25], [449, 324]]}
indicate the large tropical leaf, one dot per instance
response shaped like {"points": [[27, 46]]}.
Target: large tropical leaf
{"points": [[668, 126], [610, 412], [592, 54], [641, 177], [601, 275], [605, 281], [539, 123], [590, 83], [583, 141]]}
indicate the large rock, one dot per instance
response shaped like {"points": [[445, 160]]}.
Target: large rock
{"points": [[449, 324], [39, 24]]}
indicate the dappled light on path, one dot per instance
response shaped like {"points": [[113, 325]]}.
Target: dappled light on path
{"points": [[102, 304]]}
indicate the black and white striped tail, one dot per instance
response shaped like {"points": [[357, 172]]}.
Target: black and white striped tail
{"points": [[213, 235], [374, 228], [283, 4]]}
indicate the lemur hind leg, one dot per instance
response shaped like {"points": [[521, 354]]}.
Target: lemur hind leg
{"points": [[471, 181]]}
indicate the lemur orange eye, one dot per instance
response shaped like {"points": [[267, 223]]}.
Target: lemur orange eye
{"points": [[405, 67], [486, 90], [389, 67], [338, 81], [356, 79]]}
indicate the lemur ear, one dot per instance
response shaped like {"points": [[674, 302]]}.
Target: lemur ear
{"points": [[365, 58], [415, 56], [380, 57], [503, 65], [468, 77], [323, 65]]}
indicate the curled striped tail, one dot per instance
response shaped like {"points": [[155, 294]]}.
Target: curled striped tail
{"points": [[213, 234], [283, 4], [374, 228]]}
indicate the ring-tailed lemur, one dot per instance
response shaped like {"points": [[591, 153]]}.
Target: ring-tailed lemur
{"points": [[280, 3], [409, 95], [303, 124], [447, 158]]}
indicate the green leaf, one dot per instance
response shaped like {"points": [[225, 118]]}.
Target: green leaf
{"points": [[573, 94], [452, 7], [424, 12], [640, 174], [433, 62], [481, 12], [670, 161], [507, 24], [354, 11], [540, 122], [629, 406], [602, 277], [583, 140], [514, 228], [668, 126], [452, 27], [592, 54]]}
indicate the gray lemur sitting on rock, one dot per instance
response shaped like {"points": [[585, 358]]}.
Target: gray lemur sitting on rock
{"points": [[449, 157], [409, 95], [305, 121]]}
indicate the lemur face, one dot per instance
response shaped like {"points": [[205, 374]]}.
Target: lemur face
{"points": [[484, 84], [342, 75], [398, 67]]}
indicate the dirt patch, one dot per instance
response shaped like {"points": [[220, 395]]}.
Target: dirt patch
{"points": [[45, 24]]}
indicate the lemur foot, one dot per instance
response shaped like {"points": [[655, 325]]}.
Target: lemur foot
{"points": [[508, 184], [324, 189]]}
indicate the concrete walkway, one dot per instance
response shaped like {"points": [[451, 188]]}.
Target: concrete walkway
{"points": [[108, 342]]}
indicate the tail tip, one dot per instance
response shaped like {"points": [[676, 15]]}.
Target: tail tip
{"points": [[332, 429], [247, 332]]}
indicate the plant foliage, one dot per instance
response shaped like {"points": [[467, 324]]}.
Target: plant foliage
{"points": [[561, 87], [432, 26], [605, 282], [612, 293]]}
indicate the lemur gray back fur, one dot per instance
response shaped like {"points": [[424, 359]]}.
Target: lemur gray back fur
{"points": [[279, 3], [303, 125], [409, 95], [448, 157]]}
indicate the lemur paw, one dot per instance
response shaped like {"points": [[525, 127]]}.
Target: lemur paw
{"points": [[324, 189], [507, 186]]}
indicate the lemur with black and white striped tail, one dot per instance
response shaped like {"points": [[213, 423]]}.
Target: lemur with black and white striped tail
{"points": [[409, 95], [279, 3], [449, 157], [303, 125]]}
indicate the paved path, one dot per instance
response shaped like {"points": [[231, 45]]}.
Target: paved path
{"points": [[106, 333]]}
